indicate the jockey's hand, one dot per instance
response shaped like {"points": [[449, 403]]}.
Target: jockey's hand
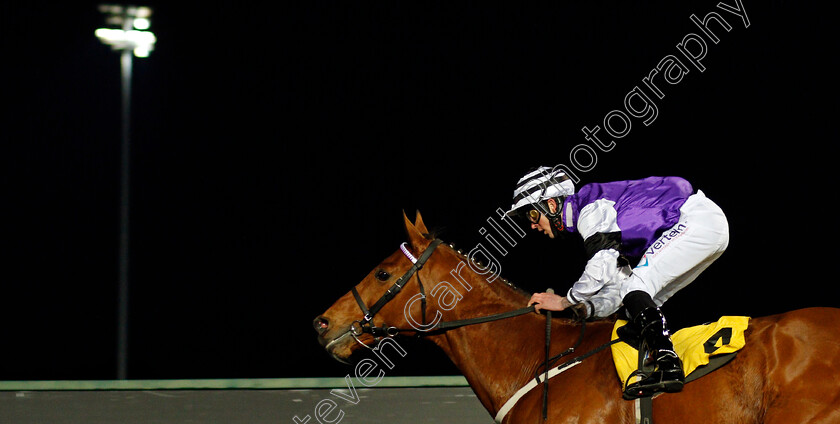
{"points": [[548, 301]]}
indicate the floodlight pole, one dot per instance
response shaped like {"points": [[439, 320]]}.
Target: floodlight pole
{"points": [[125, 168], [129, 42]]}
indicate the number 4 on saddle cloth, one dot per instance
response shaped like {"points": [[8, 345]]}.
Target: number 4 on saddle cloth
{"points": [[696, 346]]}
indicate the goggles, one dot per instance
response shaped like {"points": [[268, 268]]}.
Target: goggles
{"points": [[534, 216]]}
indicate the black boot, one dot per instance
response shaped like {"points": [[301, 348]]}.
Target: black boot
{"points": [[661, 368]]}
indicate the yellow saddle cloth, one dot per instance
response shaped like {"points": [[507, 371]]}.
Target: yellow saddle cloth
{"points": [[694, 345]]}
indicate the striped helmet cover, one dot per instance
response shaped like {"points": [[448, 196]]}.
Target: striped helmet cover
{"points": [[540, 184]]}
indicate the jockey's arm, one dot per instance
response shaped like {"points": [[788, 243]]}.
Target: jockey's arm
{"points": [[597, 286]]}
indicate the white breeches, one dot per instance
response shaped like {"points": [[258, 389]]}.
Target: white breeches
{"points": [[682, 252]]}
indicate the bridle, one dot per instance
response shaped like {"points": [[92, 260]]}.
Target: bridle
{"points": [[365, 325]]}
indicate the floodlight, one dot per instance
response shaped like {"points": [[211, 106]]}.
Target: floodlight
{"points": [[131, 34]]}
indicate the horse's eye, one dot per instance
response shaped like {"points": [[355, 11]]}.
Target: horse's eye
{"points": [[382, 275]]}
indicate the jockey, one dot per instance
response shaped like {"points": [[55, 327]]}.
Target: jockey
{"points": [[658, 224]]}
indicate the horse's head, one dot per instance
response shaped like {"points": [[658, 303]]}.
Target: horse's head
{"points": [[382, 302]]}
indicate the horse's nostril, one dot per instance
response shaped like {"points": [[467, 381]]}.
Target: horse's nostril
{"points": [[321, 324]]}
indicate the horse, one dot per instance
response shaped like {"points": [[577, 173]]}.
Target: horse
{"points": [[788, 371]]}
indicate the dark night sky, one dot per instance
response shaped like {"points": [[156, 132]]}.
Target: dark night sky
{"points": [[275, 148]]}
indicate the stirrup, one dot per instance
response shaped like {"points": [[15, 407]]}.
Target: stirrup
{"points": [[650, 384]]}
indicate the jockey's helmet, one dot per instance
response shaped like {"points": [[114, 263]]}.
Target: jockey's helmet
{"points": [[535, 188]]}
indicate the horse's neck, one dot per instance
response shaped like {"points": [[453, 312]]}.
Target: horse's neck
{"points": [[497, 358]]}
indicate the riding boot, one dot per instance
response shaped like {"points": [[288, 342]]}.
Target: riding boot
{"points": [[661, 369]]}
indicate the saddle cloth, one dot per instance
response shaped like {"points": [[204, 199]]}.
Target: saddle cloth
{"points": [[694, 345]]}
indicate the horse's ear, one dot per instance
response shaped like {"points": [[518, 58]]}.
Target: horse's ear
{"points": [[415, 234], [418, 223]]}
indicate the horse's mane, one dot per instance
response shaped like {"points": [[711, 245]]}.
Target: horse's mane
{"points": [[435, 234]]}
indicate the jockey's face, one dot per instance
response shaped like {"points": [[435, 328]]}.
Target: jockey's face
{"points": [[543, 225]]}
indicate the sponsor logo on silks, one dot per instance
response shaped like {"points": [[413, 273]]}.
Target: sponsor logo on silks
{"points": [[643, 262], [663, 242]]}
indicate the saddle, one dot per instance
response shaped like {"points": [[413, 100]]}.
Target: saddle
{"points": [[702, 348]]}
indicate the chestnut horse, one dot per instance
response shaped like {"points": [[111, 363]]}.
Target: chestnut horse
{"points": [[788, 372]]}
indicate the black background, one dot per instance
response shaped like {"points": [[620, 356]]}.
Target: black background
{"points": [[274, 149]]}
